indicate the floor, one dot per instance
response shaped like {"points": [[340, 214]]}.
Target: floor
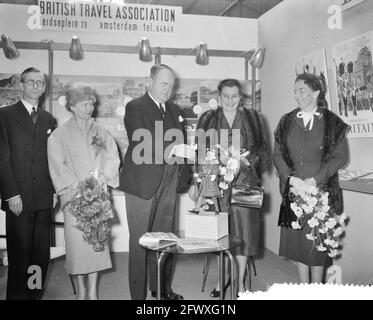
{"points": [[113, 284]]}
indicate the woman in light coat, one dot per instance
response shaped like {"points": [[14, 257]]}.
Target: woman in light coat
{"points": [[76, 150]]}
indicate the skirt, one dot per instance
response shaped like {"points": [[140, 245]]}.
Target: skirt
{"points": [[295, 246], [80, 256], [244, 223]]}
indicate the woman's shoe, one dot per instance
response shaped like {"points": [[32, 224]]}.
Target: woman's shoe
{"points": [[216, 293]]}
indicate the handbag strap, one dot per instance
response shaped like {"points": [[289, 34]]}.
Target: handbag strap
{"points": [[255, 174], [287, 188]]}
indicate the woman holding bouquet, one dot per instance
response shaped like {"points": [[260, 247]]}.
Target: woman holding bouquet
{"points": [[78, 149], [241, 128], [310, 144]]}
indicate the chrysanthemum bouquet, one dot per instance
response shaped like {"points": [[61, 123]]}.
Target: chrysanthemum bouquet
{"points": [[91, 206], [228, 163], [311, 206]]}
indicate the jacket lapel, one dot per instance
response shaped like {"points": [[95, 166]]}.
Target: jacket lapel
{"points": [[152, 109], [24, 120], [171, 110], [40, 126]]}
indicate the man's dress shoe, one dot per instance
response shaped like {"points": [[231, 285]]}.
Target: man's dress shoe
{"points": [[169, 296]]}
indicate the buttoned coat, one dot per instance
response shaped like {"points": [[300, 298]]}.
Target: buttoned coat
{"points": [[23, 157]]}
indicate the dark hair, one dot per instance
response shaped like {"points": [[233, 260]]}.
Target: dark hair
{"points": [[315, 83], [29, 70], [158, 67], [229, 83]]}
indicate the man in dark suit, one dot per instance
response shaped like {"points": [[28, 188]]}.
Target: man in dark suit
{"points": [[26, 188], [149, 179]]}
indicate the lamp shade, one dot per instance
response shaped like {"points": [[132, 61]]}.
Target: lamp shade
{"points": [[257, 58], [10, 50], [145, 52], [76, 51], [202, 57]]}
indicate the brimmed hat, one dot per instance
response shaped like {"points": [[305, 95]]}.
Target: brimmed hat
{"points": [[79, 94]]}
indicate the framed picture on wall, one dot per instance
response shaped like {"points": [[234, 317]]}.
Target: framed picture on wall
{"points": [[315, 63], [10, 89], [353, 71], [113, 94]]}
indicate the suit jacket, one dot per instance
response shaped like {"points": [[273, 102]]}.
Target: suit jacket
{"points": [[144, 179], [333, 157], [23, 157]]}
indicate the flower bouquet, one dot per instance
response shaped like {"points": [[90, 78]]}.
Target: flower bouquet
{"points": [[214, 176], [91, 206], [311, 206], [98, 144]]}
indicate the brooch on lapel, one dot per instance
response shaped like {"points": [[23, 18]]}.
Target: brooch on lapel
{"points": [[49, 131], [181, 119]]}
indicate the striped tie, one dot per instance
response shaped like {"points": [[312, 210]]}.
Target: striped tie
{"points": [[34, 115], [163, 109]]}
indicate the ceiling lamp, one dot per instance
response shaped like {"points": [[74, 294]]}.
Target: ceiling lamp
{"points": [[145, 52], [76, 51], [202, 57], [257, 58], [10, 50]]}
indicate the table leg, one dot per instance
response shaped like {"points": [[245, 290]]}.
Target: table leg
{"points": [[232, 265], [221, 275], [160, 256]]}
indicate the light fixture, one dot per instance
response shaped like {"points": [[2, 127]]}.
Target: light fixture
{"points": [[257, 58], [202, 57], [10, 50], [76, 51], [145, 52]]}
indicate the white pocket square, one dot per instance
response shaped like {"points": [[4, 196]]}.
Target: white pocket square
{"points": [[181, 119], [49, 131]]}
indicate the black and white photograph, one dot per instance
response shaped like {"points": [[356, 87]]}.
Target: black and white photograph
{"points": [[206, 151]]}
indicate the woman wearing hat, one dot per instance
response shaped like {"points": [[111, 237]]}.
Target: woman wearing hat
{"points": [[76, 149]]}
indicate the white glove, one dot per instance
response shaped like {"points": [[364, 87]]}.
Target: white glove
{"points": [[183, 151]]}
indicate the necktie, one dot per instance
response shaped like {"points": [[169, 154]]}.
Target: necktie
{"points": [[163, 109], [308, 117], [34, 115]]}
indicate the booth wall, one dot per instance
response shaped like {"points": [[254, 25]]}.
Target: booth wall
{"points": [[290, 30], [221, 33]]}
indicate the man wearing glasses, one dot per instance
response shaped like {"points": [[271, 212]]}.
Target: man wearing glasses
{"points": [[26, 188]]}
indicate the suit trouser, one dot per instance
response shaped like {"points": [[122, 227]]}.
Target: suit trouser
{"points": [[28, 244], [155, 214]]}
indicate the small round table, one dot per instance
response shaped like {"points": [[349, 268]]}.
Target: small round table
{"points": [[222, 247]]}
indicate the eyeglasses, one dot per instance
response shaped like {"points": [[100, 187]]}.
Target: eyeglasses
{"points": [[32, 83]]}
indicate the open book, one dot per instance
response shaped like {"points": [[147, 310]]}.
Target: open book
{"points": [[158, 239]]}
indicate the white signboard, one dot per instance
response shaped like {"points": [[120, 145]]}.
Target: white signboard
{"points": [[108, 17]]}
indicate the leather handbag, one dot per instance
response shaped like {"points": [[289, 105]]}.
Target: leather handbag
{"points": [[247, 195], [286, 216]]}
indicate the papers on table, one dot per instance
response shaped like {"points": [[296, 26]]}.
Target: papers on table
{"points": [[348, 175], [158, 239]]}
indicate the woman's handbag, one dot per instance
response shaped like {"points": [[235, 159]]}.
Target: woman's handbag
{"points": [[248, 196], [286, 216]]}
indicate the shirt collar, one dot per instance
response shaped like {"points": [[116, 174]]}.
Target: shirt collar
{"points": [[29, 106], [155, 101]]}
